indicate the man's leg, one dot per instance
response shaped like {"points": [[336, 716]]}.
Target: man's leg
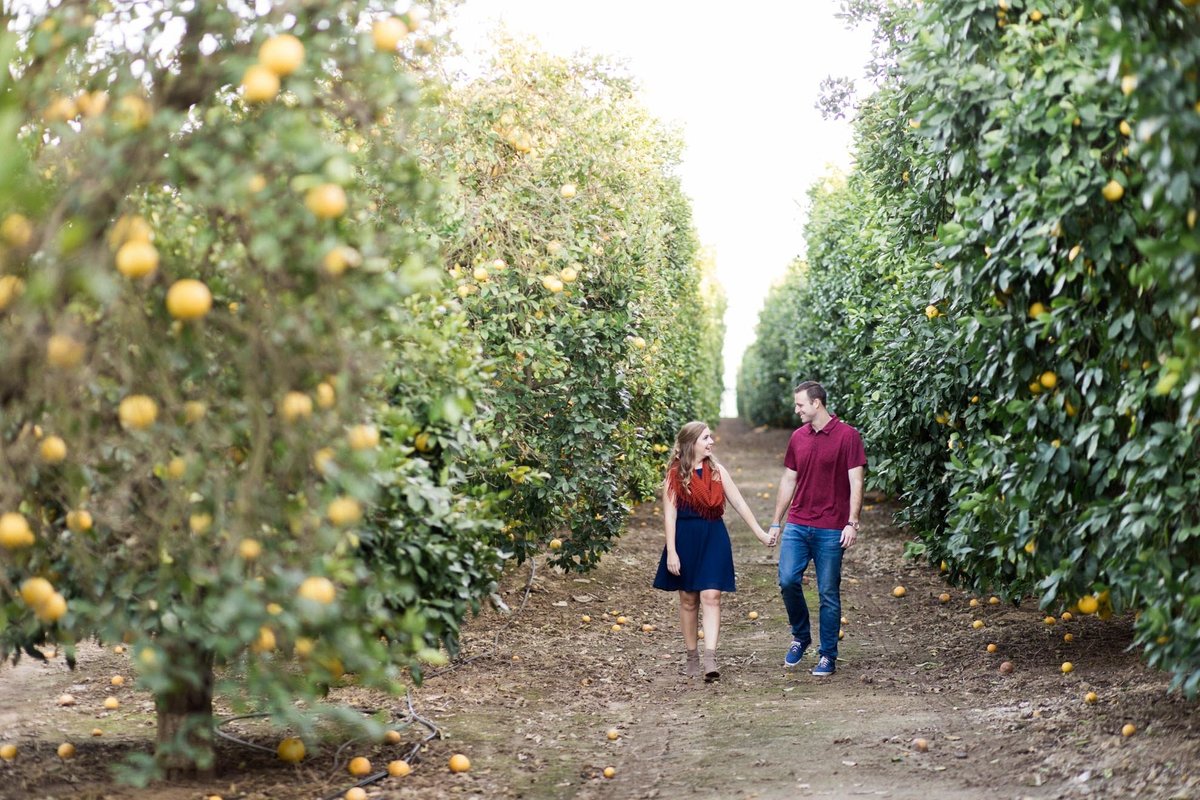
{"points": [[794, 556], [827, 561]]}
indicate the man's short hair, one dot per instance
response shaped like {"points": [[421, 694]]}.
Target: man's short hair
{"points": [[814, 390]]}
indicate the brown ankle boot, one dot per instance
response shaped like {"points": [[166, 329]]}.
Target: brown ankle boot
{"points": [[711, 673], [691, 667]]}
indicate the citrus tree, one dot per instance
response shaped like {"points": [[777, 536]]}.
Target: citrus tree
{"points": [[573, 256], [212, 283], [1021, 342]]}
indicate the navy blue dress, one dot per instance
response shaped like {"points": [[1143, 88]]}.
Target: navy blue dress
{"points": [[705, 555]]}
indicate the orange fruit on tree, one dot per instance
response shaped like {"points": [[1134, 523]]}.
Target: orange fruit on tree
{"points": [[137, 412], [295, 406], [1088, 604], [52, 609], [137, 259], [318, 589], [189, 299], [14, 531], [386, 33], [282, 54], [259, 84], [1048, 379], [53, 450], [64, 352], [343, 511], [36, 591], [327, 201], [363, 437]]}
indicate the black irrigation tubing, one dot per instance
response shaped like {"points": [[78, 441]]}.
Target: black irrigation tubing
{"points": [[412, 756]]}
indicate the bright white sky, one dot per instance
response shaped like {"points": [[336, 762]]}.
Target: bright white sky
{"points": [[742, 80]]}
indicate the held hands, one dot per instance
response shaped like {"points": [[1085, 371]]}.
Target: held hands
{"points": [[673, 562], [769, 537]]}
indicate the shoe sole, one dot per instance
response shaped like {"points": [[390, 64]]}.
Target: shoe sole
{"points": [[821, 674], [709, 677]]}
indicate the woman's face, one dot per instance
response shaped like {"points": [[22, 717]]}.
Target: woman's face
{"points": [[704, 445]]}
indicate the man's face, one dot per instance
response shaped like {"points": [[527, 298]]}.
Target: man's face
{"points": [[806, 408]]}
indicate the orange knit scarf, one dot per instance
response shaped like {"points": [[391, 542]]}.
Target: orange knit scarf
{"points": [[704, 494]]}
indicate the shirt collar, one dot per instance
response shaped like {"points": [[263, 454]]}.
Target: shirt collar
{"points": [[833, 420]]}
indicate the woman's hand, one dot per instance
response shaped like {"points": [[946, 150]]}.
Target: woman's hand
{"points": [[766, 538], [673, 562]]}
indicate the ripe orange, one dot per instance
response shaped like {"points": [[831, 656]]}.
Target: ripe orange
{"points": [[318, 589], [944, 597], [977, 624], [17, 230], [326, 397], [344, 511], [291, 750], [1048, 380], [188, 299], [295, 406], [137, 259], [991, 648], [586, 618], [459, 763], [36, 591], [398, 768], [359, 766], [1067, 668], [137, 412], [392, 737], [899, 591], [53, 450], [259, 84], [117, 680], [111, 703], [265, 641], [327, 201], [609, 772], [63, 352], [613, 734], [249, 549], [1090, 697], [8, 752], [282, 54], [14, 531], [387, 33], [52, 609], [556, 544], [11, 287], [66, 750], [355, 793], [753, 615], [363, 437], [1088, 604], [1128, 729], [1049, 620]]}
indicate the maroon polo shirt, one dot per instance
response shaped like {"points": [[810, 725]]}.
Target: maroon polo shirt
{"points": [[822, 462]]}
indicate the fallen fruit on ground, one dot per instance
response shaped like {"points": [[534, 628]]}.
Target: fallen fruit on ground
{"points": [[398, 768], [459, 763], [67, 750], [291, 750], [359, 766], [609, 772], [392, 737], [1128, 729], [920, 745], [899, 591], [1006, 667], [8, 752], [753, 615], [1090, 698], [355, 793], [1067, 667], [613, 734]]}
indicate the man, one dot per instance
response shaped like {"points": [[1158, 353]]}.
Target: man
{"points": [[822, 492]]}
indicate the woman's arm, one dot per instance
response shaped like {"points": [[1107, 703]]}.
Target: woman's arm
{"points": [[739, 505], [669, 526]]}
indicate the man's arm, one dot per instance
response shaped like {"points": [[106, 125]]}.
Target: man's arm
{"points": [[850, 530]]}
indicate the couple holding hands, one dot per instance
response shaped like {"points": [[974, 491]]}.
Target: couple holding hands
{"points": [[821, 492]]}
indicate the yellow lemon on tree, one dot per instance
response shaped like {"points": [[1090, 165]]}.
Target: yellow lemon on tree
{"points": [[1113, 191], [568, 274], [552, 283], [17, 230], [1048, 379], [11, 287], [259, 84], [282, 54], [932, 312], [137, 259], [53, 609], [14, 531], [188, 299], [326, 396], [327, 201], [1036, 310], [290, 750], [556, 544], [36, 591], [1088, 604], [79, 520], [318, 589], [137, 412]]}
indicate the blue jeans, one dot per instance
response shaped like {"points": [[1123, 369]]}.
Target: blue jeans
{"points": [[822, 546]]}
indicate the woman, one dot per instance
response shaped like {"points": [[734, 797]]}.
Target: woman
{"points": [[697, 560]]}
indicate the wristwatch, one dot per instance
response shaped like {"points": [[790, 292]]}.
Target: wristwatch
{"points": [[854, 525]]}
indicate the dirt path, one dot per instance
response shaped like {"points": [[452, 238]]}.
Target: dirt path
{"points": [[534, 694]]}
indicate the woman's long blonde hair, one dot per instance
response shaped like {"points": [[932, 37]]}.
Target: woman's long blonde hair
{"points": [[683, 455]]}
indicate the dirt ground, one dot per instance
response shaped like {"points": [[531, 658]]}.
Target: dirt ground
{"points": [[535, 692]]}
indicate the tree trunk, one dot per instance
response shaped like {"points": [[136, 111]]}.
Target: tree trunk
{"points": [[185, 719]]}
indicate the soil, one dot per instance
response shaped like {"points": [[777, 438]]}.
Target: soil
{"points": [[535, 691]]}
